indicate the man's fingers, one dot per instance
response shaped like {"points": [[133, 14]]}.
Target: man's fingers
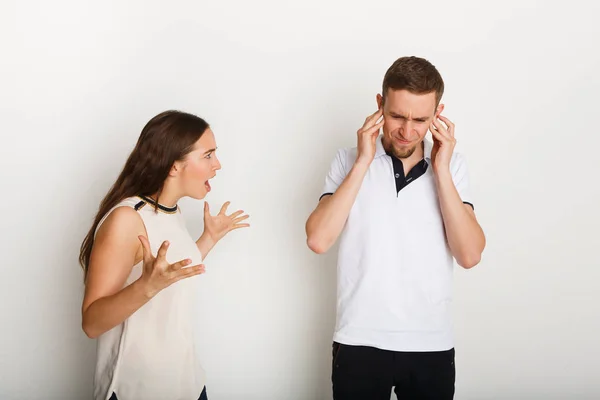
{"points": [[371, 129], [376, 114], [449, 124], [441, 137], [224, 207], [439, 128], [441, 124], [437, 136], [374, 128], [438, 125], [371, 119]]}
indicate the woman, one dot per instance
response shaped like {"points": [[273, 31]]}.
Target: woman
{"points": [[139, 262]]}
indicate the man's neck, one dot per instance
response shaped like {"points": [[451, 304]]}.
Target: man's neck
{"points": [[409, 162]]}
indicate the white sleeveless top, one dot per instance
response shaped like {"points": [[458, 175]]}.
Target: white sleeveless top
{"points": [[151, 355]]}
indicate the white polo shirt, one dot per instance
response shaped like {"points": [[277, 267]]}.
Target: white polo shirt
{"points": [[394, 275]]}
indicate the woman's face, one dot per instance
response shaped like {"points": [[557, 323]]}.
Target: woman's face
{"points": [[198, 167]]}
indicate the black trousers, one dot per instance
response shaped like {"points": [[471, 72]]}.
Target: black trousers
{"points": [[361, 372], [202, 396]]}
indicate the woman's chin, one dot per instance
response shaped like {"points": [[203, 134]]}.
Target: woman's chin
{"points": [[198, 195]]}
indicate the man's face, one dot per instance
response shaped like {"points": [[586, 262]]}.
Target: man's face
{"points": [[407, 117]]}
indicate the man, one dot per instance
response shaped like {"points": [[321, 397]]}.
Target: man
{"points": [[401, 207]]}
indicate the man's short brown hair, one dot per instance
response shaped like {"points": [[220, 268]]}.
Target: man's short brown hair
{"points": [[414, 74]]}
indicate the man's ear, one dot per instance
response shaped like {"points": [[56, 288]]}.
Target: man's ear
{"points": [[379, 101], [439, 110]]}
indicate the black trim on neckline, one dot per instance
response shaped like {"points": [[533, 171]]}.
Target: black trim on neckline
{"points": [[140, 205], [466, 202], [401, 180], [166, 209]]}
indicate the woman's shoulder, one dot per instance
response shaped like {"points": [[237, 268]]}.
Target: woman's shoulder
{"points": [[123, 217]]}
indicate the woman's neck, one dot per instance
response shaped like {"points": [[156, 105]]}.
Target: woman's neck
{"points": [[166, 199]]}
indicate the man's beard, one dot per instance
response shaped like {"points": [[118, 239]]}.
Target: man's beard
{"points": [[398, 153]]}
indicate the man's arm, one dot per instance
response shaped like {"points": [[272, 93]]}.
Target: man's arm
{"points": [[326, 222], [464, 234], [465, 237]]}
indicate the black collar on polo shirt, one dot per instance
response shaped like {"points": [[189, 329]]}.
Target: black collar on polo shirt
{"points": [[417, 171]]}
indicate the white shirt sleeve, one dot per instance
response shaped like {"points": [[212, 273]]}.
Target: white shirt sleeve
{"points": [[460, 177], [336, 175]]}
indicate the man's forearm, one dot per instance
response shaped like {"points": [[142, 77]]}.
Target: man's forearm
{"points": [[465, 237], [326, 223]]}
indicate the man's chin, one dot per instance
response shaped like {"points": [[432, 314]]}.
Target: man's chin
{"points": [[399, 152], [404, 152]]}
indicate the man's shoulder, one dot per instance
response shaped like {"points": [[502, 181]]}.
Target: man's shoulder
{"points": [[347, 155], [458, 160]]}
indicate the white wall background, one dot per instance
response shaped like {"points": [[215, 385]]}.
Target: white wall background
{"points": [[285, 85]]}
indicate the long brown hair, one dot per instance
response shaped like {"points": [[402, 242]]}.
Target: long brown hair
{"points": [[166, 138]]}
